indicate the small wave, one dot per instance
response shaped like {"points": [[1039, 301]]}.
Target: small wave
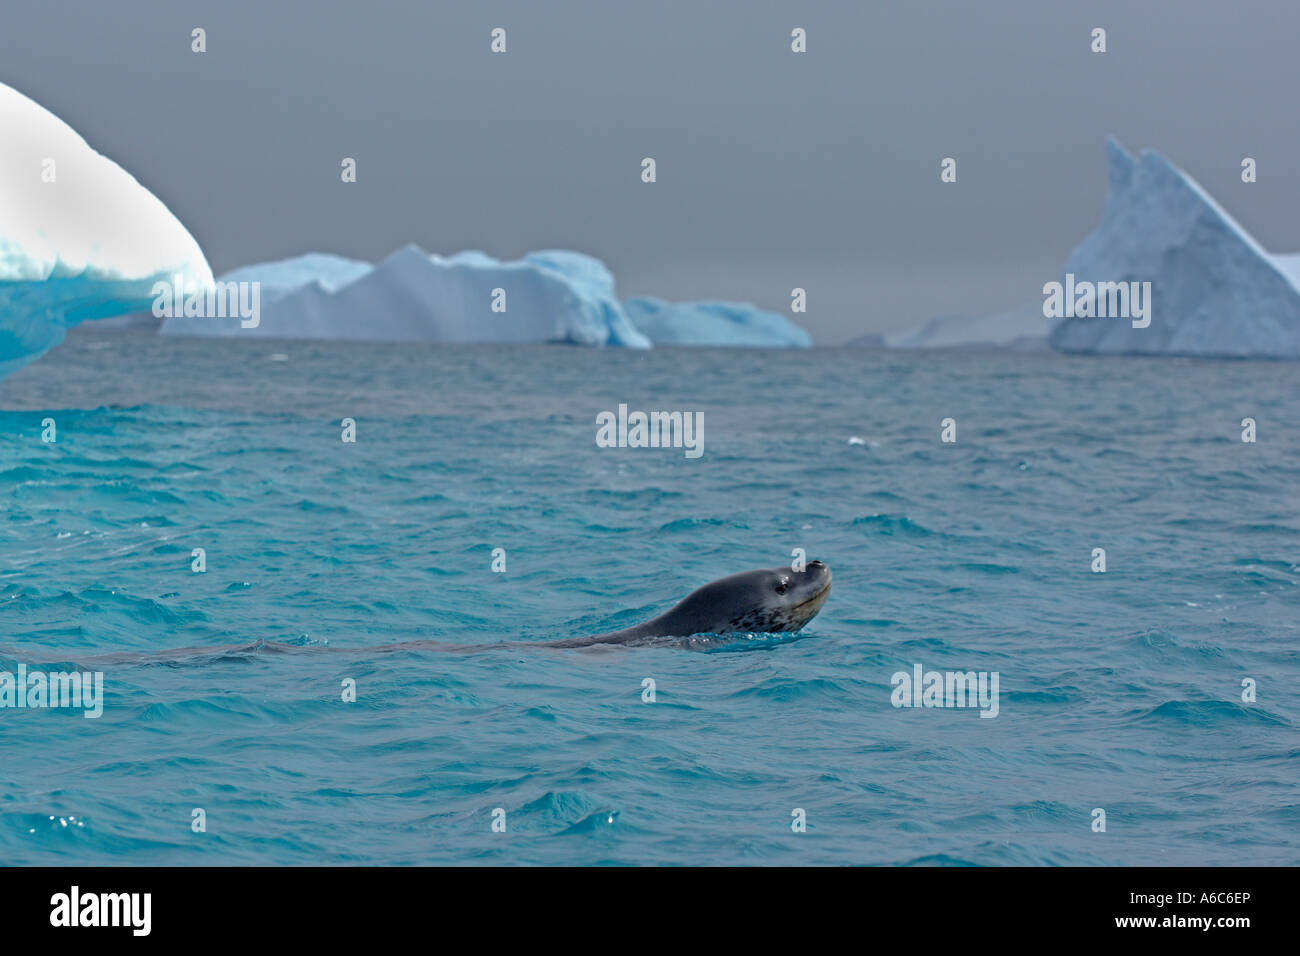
{"points": [[892, 525], [1209, 714]]}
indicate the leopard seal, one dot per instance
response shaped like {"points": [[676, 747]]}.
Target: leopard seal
{"points": [[766, 601], [769, 600]]}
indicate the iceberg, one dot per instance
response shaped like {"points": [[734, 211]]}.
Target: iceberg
{"points": [[1214, 290], [1020, 329], [712, 323], [1290, 266], [278, 279], [871, 340], [79, 239], [551, 296], [412, 296]]}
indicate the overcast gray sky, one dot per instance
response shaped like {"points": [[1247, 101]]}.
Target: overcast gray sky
{"points": [[775, 169]]}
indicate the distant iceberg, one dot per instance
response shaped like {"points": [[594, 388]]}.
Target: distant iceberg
{"points": [[279, 279], [713, 323], [79, 237], [411, 296], [1214, 290], [1021, 329], [872, 340]]}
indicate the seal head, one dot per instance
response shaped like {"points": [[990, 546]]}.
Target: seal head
{"points": [[769, 600]]}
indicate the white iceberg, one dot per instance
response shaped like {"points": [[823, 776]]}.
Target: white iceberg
{"points": [[411, 296], [1214, 290], [79, 237], [712, 323]]}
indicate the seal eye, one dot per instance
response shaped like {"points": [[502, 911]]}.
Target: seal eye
{"points": [[783, 586]]}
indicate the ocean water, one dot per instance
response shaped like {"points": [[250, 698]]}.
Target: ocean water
{"points": [[329, 561]]}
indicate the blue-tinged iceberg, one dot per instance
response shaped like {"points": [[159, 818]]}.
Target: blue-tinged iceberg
{"points": [[279, 279], [1214, 290], [411, 296], [79, 237], [712, 323]]}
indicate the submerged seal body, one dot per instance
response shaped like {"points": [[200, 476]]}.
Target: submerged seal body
{"points": [[768, 601], [771, 600]]}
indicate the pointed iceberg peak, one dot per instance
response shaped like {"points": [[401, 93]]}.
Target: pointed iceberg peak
{"points": [[407, 253], [1155, 168], [1168, 271], [1119, 164]]}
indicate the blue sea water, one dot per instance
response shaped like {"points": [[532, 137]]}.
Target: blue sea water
{"points": [[1119, 690]]}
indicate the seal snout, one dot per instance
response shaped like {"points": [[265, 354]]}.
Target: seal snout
{"points": [[823, 571], [817, 583]]}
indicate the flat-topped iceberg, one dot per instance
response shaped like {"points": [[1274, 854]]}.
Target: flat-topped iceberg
{"points": [[1021, 329], [470, 297], [79, 237], [712, 323], [1214, 291], [411, 296]]}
